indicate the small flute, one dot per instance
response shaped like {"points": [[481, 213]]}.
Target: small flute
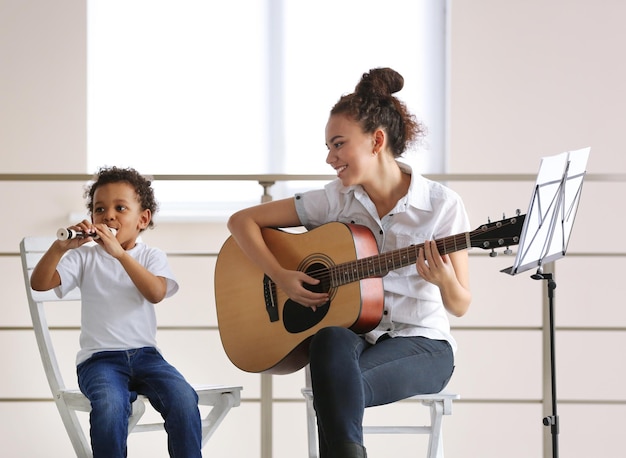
{"points": [[67, 234]]}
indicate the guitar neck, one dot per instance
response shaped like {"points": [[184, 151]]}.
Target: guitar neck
{"points": [[381, 264]]}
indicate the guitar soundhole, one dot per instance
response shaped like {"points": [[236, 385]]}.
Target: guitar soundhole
{"points": [[298, 318]]}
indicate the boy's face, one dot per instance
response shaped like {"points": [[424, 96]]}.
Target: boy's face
{"points": [[117, 205]]}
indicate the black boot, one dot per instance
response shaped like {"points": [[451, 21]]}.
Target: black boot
{"points": [[350, 450]]}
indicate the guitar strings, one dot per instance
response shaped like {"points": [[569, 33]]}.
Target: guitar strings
{"points": [[379, 265]]}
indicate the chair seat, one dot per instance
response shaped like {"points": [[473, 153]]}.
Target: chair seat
{"points": [[440, 404], [208, 395], [221, 397], [75, 400]]}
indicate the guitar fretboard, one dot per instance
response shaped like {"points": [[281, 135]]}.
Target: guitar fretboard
{"points": [[381, 264]]}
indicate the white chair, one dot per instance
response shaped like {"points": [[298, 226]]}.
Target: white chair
{"points": [[440, 404], [68, 401]]}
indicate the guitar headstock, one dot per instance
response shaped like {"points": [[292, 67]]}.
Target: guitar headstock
{"points": [[499, 234]]}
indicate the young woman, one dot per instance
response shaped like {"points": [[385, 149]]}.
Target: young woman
{"points": [[411, 351]]}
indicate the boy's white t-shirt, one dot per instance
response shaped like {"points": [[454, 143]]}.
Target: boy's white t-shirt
{"points": [[114, 314]]}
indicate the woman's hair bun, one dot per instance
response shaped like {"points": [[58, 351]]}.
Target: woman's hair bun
{"points": [[381, 82]]}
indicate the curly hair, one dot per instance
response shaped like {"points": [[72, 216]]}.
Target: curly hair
{"points": [[372, 105], [141, 184]]}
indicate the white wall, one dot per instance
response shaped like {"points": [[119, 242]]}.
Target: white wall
{"points": [[527, 79], [531, 78], [43, 86]]}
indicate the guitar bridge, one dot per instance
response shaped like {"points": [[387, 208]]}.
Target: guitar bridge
{"points": [[269, 293]]}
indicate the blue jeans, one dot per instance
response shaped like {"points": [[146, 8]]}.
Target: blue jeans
{"points": [[348, 374], [111, 380]]}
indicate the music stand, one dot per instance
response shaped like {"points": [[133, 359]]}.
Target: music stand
{"points": [[545, 237]]}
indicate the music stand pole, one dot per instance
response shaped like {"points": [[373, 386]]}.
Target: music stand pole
{"points": [[551, 420]]}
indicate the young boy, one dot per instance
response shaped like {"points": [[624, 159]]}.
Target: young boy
{"points": [[121, 279]]}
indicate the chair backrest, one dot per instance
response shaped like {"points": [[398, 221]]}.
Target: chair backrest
{"points": [[31, 250]]}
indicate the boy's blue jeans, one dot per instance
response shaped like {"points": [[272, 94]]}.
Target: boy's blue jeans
{"points": [[111, 380], [348, 374]]}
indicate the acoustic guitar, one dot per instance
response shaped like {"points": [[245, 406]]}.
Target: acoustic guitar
{"points": [[262, 330]]}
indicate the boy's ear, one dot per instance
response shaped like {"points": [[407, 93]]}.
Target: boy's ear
{"points": [[144, 219]]}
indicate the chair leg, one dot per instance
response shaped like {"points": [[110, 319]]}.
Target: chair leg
{"points": [[216, 415], [311, 421], [138, 408], [435, 441], [79, 441]]}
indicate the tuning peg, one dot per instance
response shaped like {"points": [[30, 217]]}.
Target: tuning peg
{"points": [[493, 253], [508, 251]]}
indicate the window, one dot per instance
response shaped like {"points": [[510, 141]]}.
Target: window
{"points": [[245, 86]]}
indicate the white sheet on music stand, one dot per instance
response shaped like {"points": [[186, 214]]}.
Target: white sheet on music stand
{"points": [[552, 210]]}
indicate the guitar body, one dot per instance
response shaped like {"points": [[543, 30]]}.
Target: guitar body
{"points": [[262, 330]]}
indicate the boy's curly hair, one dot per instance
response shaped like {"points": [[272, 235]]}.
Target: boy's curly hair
{"points": [[142, 185]]}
